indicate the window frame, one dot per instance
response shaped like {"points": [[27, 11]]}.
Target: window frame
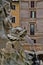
{"points": [[32, 14], [13, 19], [34, 40], [13, 7], [32, 4], [32, 31]]}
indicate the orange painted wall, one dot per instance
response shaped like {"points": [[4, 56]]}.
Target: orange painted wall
{"points": [[15, 13]]}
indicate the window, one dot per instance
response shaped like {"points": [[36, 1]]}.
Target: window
{"points": [[32, 29], [13, 7], [33, 14], [32, 4], [13, 19], [34, 41]]}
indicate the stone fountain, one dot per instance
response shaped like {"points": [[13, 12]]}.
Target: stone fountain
{"points": [[14, 53]]}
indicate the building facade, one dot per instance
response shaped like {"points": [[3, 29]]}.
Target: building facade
{"points": [[15, 13], [29, 15], [31, 18]]}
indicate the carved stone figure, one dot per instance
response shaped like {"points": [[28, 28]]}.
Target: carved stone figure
{"points": [[14, 52]]}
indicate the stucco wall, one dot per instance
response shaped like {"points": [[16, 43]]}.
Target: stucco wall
{"points": [[40, 25], [15, 13], [39, 16], [40, 4]]}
